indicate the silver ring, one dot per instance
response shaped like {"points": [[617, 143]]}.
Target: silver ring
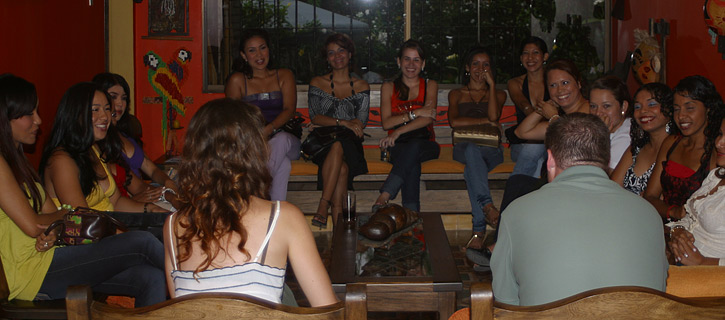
{"points": [[45, 245]]}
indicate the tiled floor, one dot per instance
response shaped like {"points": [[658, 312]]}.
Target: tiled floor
{"points": [[457, 240]]}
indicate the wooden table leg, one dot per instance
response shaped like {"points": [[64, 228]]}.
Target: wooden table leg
{"points": [[446, 304]]}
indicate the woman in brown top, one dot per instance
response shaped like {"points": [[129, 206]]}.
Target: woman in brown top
{"points": [[478, 102]]}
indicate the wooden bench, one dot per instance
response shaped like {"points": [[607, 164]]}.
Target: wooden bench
{"points": [[216, 306], [625, 302]]}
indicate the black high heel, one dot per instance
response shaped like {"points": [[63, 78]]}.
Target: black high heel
{"points": [[321, 221]]}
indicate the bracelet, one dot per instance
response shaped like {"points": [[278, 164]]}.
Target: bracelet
{"points": [[337, 121], [164, 190], [146, 207], [672, 230], [412, 115], [403, 118], [554, 117], [66, 207]]}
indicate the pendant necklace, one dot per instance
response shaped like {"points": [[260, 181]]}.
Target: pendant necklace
{"points": [[471, 95]]}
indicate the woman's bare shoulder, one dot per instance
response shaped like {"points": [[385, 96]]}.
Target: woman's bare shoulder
{"points": [[320, 81], [517, 80], [360, 85]]}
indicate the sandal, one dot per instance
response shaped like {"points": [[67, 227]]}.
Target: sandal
{"points": [[491, 210], [318, 220], [476, 242]]}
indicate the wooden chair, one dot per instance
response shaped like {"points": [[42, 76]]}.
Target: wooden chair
{"points": [[605, 303], [22, 309], [216, 306]]}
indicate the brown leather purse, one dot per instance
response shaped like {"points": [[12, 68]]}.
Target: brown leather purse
{"points": [[84, 225], [488, 135]]}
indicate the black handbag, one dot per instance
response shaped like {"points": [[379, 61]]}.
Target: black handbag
{"points": [[292, 126], [420, 133], [322, 138]]}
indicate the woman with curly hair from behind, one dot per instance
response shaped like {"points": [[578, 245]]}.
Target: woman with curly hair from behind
{"points": [[226, 237]]}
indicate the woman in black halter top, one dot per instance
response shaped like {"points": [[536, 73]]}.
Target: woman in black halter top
{"points": [[478, 102], [525, 90]]}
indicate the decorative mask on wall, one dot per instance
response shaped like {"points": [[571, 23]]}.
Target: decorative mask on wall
{"points": [[715, 16], [646, 59], [166, 80]]}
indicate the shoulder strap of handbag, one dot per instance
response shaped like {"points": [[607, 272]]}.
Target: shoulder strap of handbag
{"points": [[425, 92]]}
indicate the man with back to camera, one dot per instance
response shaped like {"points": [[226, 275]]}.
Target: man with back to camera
{"points": [[581, 231]]}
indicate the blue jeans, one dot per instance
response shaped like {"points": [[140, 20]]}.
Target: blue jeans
{"points": [[405, 174], [479, 160], [130, 263], [528, 157]]}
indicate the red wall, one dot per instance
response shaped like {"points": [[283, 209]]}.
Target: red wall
{"points": [[53, 44], [689, 50], [150, 115]]}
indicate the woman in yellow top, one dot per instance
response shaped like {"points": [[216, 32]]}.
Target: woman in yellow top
{"points": [[126, 264], [74, 162]]}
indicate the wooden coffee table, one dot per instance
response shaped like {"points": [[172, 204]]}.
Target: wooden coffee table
{"points": [[415, 272]]}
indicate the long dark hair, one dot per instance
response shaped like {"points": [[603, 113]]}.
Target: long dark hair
{"points": [[701, 89], [403, 89], [469, 59], [112, 145], [224, 164], [663, 95], [73, 133], [107, 80], [538, 42], [18, 98], [239, 64]]}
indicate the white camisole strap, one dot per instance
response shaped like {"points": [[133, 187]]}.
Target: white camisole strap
{"points": [[260, 252]]}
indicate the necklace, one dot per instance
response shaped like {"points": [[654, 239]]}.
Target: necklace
{"points": [[332, 85], [471, 95]]}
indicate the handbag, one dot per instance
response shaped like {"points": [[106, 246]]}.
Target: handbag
{"points": [[322, 138], [488, 135], [292, 126], [84, 226], [420, 133]]}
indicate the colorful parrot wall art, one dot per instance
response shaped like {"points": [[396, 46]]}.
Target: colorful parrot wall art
{"points": [[166, 79]]}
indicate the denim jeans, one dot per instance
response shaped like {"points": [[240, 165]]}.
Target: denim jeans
{"points": [[479, 160], [405, 174], [528, 157], [283, 148], [130, 263]]}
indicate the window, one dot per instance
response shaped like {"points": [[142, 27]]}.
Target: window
{"points": [[446, 27]]}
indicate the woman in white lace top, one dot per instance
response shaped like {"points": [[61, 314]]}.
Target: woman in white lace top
{"points": [[699, 238]]}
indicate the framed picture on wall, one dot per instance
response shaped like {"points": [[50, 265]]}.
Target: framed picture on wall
{"points": [[168, 18]]}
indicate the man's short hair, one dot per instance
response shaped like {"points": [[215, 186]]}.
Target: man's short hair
{"points": [[578, 139]]}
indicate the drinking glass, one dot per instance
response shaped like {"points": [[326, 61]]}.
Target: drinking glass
{"points": [[348, 210]]}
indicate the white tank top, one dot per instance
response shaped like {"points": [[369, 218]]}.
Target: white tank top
{"points": [[252, 278]]}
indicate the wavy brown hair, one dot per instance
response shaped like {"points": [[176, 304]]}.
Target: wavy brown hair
{"points": [[224, 164]]}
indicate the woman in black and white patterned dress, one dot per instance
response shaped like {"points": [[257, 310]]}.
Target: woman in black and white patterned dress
{"points": [[648, 131], [337, 98]]}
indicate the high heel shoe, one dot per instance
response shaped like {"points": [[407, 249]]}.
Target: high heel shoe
{"points": [[318, 220]]}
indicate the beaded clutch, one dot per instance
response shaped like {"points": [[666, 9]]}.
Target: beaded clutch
{"points": [[481, 134]]}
